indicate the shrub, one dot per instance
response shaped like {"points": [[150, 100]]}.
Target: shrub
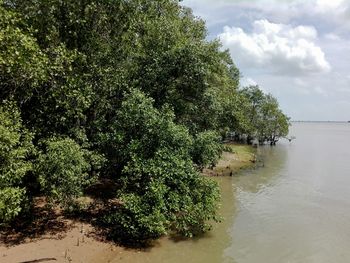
{"points": [[161, 191], [15, 146], [62, 170], [207, 148], [12, 201], [163, 195]]}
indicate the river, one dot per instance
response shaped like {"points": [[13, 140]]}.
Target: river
{"points": [[294, 209]]}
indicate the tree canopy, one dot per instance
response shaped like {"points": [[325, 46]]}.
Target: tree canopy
{"points": [[126, 90]]}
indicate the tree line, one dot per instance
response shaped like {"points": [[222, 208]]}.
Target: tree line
{"points": [[129, 90]]}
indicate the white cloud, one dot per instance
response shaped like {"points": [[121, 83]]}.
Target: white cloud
{"points": [[299, 82], [324, 6], [332, 36], [277, 48], [335, 12], [320, 91]]}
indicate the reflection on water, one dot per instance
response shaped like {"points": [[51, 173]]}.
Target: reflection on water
{"points": [[294, 209]]}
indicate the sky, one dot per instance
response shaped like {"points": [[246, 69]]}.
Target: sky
{"points": [[297, 50]]}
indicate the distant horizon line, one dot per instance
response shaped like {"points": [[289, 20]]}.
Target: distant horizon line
{"points": [[319, 121]]}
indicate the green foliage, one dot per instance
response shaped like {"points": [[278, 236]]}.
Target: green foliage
{"points": [[15, 147], [12, 201], [62, 170], [234, 116], [266, 121], [22, 63], [207, 149], [138, 128], [160, 189], [274, 123], [167, 196], [256, 100]]}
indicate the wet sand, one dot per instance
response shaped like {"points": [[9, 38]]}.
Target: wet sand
{"points": [[78, 244]]}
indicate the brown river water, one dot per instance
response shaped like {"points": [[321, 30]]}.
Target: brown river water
{"points": [[295, 209]]}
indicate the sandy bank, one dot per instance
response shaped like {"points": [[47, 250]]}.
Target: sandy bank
{"points": [[78, 244]]}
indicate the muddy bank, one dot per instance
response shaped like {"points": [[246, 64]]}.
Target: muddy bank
{"points": [[237, 157]]}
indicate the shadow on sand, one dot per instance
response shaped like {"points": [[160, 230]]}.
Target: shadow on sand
{"points": [[43, 223]]}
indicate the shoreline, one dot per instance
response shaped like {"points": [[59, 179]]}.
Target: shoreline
{"points": [[66, 246], [240, 157], [75, 241]]}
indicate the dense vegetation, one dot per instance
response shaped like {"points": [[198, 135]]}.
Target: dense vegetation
{"points": [[126, 90]]}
